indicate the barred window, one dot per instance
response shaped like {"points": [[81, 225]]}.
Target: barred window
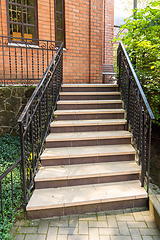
{"points": [[22, 19]]}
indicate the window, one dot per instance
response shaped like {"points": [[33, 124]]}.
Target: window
{"points": [[22, 19], [59, 21]]}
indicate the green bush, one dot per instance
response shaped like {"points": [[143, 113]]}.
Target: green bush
{"points": [[143, 46], [9, 153]]}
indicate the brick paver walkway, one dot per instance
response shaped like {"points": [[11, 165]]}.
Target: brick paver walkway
{"points": [[130, 224]]}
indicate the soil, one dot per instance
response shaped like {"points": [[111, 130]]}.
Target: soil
{"points": [[155, 156]]}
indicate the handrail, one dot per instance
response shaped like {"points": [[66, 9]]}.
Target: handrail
{"points": [[36, 117], [138, 83], [138, 111]]}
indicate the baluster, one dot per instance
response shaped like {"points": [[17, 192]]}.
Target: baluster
{"points": [[1, 200]]}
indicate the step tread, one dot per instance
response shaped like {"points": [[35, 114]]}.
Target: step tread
{"points": [[90, 93], [88, 122], [88, 111], [89, 85], [87, 135], [85, 194], [72, 152], [88, 101], [78, 171]]}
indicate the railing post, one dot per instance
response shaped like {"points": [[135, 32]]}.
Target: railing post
{"points": [[23, 162], [143, 148], [149, 153], [128, 110]]}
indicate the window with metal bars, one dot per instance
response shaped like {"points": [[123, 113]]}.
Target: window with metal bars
{"points": [[59, 21], [22, 19]]}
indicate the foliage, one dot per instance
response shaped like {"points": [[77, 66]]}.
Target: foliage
{"points": [[9, 153], [143, 46]]}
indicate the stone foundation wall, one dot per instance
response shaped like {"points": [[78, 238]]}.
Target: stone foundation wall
{"points": [[12, 102]]}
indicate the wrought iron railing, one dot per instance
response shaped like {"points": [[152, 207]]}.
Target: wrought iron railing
{"points": [[139, 113], [24, 62], [10, 191], [36, 117]]}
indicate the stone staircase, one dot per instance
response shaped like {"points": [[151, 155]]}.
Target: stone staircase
{"points": [[89, 163]]}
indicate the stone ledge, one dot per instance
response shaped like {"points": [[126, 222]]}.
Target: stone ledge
{"points": [[154, 205]]}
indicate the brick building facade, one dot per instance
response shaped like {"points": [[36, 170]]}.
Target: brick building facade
{"points": [[86, 27]]}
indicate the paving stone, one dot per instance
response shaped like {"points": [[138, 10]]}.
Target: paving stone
{"points": [[69, 231], [73, 222], [121, 238], [60, 223], [93, 234], [83, 227], [109, 231], [52, 233], [123, 228], [27, 230], [114, 212], [35, 237], [35, 223], [138, 216], [147, 238], [111, 221], [19, 237], [62, 237], [43, 226], [97, 224], [146, 213], [135, 234], [78, 237], [24, 223], [156, 237], [101, 216], [150, 232], [125, 218], [136, 224], [151, 224], [87, 217], [104, 237]]}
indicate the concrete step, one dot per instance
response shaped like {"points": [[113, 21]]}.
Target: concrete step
{"points": [[90, 154], [88, 125], [89, 104], [89, 114], [75, 139], [89, 96], [83, 174], [89, 88], [85, 198]]}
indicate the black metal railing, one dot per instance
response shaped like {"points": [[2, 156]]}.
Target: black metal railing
{"points": [[11, 191], [24, 62], [139, 113], [36, 117]]}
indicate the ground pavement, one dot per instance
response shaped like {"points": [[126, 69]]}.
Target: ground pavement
{"points": [[130, 224]]}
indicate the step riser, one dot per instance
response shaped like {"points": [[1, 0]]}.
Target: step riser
{"points": [[89, 97], [96, 207], [89, 89], [90, 116], [89, 106], [93, 142], [88, 128], [83, 160], [86, 181]]}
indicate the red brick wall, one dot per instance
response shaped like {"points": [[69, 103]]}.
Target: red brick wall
{"points": [[109, 31], [79, 50]]}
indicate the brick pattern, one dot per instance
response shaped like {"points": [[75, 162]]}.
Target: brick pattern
{"points": [[79, 51], [129, 224]]}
